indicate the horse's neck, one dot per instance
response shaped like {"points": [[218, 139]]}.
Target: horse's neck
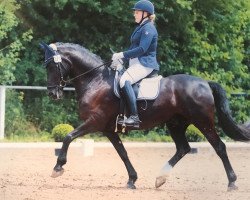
{"points": [[89, 76], [89, 82]]}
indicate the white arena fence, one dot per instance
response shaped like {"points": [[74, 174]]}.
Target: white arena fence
{"points": [[3, 99]]}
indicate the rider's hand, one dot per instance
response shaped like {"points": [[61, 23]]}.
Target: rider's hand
{"points": [[117, 65], [117, 56]]}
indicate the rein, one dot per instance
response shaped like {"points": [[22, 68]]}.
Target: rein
{"points": [[87, 72], [59, 63]]}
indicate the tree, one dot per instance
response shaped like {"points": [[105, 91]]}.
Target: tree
{"points": [[209, 39], [10, 42]]}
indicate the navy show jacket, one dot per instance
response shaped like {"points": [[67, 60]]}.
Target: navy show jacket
{"points": [[143, 45]]}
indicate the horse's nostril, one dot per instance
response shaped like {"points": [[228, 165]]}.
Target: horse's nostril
{"points": [[55, 94], [51, 94]]}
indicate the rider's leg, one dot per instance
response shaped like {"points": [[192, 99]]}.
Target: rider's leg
{"points": [[133, 119], [133, 74]]}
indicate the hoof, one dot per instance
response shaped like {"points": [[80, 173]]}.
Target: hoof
{"points": [[131, 185], [160, 181], [55, 173], [232, 187]]}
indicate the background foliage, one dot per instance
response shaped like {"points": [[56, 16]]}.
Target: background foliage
{"points": [[60, 131], [209, 39]]}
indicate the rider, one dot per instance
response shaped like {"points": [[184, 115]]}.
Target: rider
{"points": [[141, 56]]}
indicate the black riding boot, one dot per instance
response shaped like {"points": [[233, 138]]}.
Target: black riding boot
{"points": [[129, 94], [123, 103]]}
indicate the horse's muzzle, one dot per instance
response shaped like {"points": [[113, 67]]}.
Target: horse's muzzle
{"points": [[55, 93]]}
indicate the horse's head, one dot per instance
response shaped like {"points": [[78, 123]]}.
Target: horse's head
{"points": [[56, 70]]}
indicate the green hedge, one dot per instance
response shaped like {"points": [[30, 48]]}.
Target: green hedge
{"points": [[60, 131], [194, 135]]}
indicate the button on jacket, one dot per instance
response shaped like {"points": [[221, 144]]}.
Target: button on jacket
{"points": [[144, 45]]}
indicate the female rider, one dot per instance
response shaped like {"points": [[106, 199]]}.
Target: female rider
{"points": [[141, 56]]}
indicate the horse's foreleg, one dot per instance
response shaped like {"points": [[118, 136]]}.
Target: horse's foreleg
{"points": [[117, 143], [177, 131], [62, 158]]}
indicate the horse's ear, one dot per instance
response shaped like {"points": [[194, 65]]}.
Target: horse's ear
{"points": [[43, 45]]}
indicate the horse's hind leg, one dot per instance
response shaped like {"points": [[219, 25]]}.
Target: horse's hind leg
{"points": [[117, 143], [177, 130], [209, 131]]}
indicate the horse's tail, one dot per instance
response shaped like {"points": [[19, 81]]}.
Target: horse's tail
{"points": [[227, 123]]}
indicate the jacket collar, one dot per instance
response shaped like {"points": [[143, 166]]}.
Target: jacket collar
{"points": [[146, 20], [139, 27]]}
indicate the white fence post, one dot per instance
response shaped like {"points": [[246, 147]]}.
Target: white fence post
{"points": [[2, 111]]}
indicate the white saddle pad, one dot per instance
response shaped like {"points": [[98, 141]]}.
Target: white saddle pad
{"points": [[149, 88]]}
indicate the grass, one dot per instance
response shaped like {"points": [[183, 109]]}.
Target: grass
{"points": [[34, 137], [150, 137], [47, 137], [135, 136]]}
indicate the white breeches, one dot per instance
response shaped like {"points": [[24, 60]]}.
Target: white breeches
{"points": [[135, 72]]}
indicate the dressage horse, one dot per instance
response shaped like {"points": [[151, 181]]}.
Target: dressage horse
{"points": [[182, 100]]}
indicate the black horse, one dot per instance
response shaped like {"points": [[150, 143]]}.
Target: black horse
{"points": [[183, 100]]}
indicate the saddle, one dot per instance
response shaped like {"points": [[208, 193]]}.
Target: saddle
{"points": [[146, 89]]}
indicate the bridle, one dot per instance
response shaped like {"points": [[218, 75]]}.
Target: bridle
{"points": [[57, 59]]}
